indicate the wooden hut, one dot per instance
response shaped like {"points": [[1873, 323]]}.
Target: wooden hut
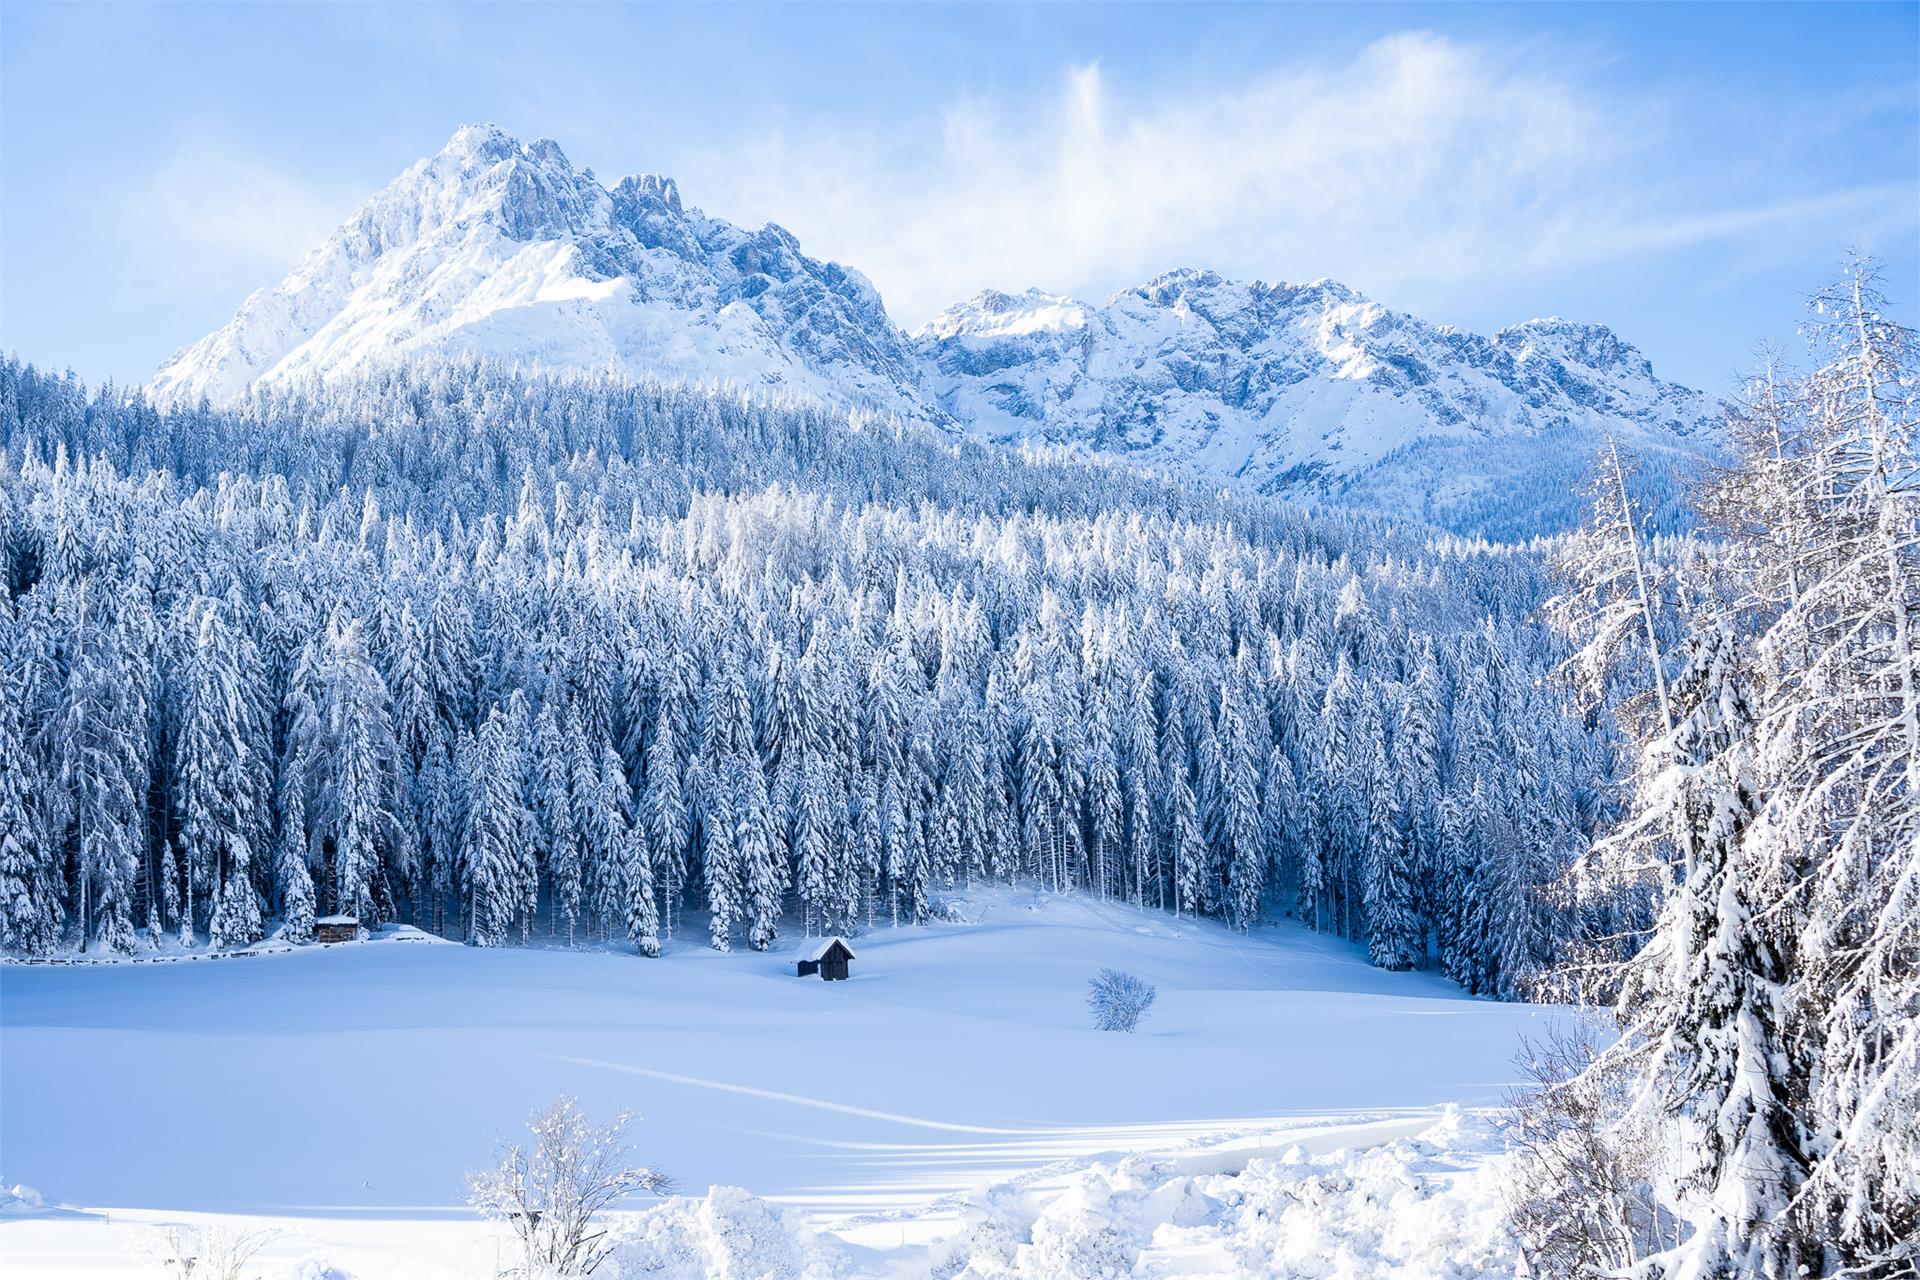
{"points": [[827, 957], [336, 928]]}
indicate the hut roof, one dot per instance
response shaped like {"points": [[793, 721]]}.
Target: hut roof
{"points": [[338, 920], [818, 948]]}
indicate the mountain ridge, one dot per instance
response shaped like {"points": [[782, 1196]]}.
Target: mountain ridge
{"points": [[497, 248], [1286, 384], [494, 247]]}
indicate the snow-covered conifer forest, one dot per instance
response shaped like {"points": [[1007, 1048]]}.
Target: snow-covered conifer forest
{"points": [[512, 658]]}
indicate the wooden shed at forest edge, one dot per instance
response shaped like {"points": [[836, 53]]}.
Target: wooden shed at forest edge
{"points": [[336, 929], [827, 957]]}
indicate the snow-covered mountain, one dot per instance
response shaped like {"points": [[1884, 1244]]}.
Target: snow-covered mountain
{"points": [[1291, 386], [498, 248]]}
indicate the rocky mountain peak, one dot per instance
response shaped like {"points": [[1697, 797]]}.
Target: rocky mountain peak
{"points": [[498, 248]]}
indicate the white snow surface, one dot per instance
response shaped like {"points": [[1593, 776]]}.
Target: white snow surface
{"points": [[947, 1111]]}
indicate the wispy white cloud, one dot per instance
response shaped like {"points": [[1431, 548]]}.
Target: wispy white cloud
{"points": [[212, 216], [1421, 169], [1419, 164]]}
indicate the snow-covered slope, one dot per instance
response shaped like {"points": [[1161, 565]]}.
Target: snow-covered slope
{"points": [[1291, 386], [498, 248]]}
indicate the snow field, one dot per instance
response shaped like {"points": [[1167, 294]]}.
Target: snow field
{"points": [[948, 1108]]}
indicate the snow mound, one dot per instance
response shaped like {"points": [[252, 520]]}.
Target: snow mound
{"points": [[19, 1201], [1417, 1208], [724, 1234], [1421, 1208], [22, 1201]]}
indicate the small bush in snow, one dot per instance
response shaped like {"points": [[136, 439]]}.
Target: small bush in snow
{"points": [[552, 1195], [1118, 1000], [1580, 1191], [206, 1253]]}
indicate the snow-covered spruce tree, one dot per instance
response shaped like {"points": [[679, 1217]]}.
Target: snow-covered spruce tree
{"points": [[1416, 768], [815, 850], [1773, 1017], [643, 914], [1704, 996], [290, 859], [441, 825], [170, 903], [524, 867], [862, 868], [726, 891], [1188, 847], [550, 801], [100, 765], [604, 815], [970, 810], [757, 849], [1839, 757], [1102, 805], [1042, 795], [1340, 793], [1393, 926], [30, 905], [1279, 826], [1237, 820], [220, 783], [497, 822], [1141, 783], [664, 815], [342, 729]]}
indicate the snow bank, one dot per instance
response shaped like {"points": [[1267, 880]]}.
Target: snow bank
{"points": [[724, 1234], [1422, 1208], [20, 1201], [1415, 1208], [1426, 1207]]}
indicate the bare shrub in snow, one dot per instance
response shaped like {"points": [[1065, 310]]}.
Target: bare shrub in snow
{"points": [[1118, 1000], [1580, 1196], [207, 1253], [552, 1194]]}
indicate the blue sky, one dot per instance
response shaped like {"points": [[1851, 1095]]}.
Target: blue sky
{"points": [[1682, 173]]}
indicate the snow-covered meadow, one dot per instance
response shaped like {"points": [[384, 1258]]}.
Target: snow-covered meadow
{"points": [[338, 1094]]}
